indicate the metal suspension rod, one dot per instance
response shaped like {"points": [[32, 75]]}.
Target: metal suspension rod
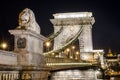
{"points": [[54, 35]]}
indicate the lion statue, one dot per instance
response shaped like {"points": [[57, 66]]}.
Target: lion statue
{"points": [[27, 21]]}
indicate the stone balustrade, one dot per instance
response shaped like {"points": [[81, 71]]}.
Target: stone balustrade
{"points": [[9, 75], [23, 75]]}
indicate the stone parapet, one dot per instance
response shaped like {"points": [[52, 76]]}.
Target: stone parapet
{"points": [[8, 58]]}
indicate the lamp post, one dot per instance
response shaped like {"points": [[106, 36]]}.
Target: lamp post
{"points": [[72, 53], [47, 44], [68, 50], [77, 55]]}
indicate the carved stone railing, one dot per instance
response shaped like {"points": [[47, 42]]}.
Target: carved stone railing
{"points": [[23, 73], [9, 75]]}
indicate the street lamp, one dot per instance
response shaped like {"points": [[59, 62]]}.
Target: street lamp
{"points": [[71, 57], [47, 44], [77, 55], [53, 54], [4, 46], [72, 53], [67, 51], [73, 47]]}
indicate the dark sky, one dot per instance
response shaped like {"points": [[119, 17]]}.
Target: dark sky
{"points": [[106, 30]]}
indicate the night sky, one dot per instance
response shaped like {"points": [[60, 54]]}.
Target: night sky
{"points": [[106, 30]]}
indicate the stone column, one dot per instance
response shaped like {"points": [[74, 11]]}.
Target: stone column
{"points": [[85, 39], [9, 76], [12, 76], [16, 76], [3, 77], [0, 76], [6, 76]]}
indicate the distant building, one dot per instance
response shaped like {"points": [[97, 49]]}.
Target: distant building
{"points": [[112, 62]]}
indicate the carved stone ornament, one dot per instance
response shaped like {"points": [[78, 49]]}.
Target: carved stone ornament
{"points": [[27, 21], [21, 43]]}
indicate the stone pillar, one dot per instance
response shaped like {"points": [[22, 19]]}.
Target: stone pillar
{"points": [[85, 39], [16, 76], [3, 77], [29, 45], [0, 76], [9, 76], [23, 76], [6, 76]]}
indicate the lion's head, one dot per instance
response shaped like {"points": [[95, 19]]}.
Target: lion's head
{"points": [[27, 20], [24, 17]]}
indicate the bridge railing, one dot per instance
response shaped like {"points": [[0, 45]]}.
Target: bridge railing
{"points": [[51, 60], [60, 60]]}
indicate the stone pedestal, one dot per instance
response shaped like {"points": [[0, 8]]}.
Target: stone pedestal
{"points": [[29, 46]]}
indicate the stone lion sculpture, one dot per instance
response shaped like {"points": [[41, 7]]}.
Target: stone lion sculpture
{"points": [[27, 21]]}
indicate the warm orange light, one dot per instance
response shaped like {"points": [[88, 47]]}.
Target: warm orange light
{"points": [[71, 57], [4, 45], [53, 54], [76, 58], [67, 49], [47, 44], [73, 47], [77, 52]]}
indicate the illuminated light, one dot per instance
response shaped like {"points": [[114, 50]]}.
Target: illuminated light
{"points": [[53, 53], [77, 52], [73, 47], [4, 45], [47, 43], [72, 15], [68, 50], [71, 57], [76, 58]]}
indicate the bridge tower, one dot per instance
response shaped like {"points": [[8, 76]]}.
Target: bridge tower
{"points": [[71, 23]]}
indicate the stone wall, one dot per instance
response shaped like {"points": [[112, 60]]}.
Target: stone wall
{"points": [[8, 58], [76, 74]]}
